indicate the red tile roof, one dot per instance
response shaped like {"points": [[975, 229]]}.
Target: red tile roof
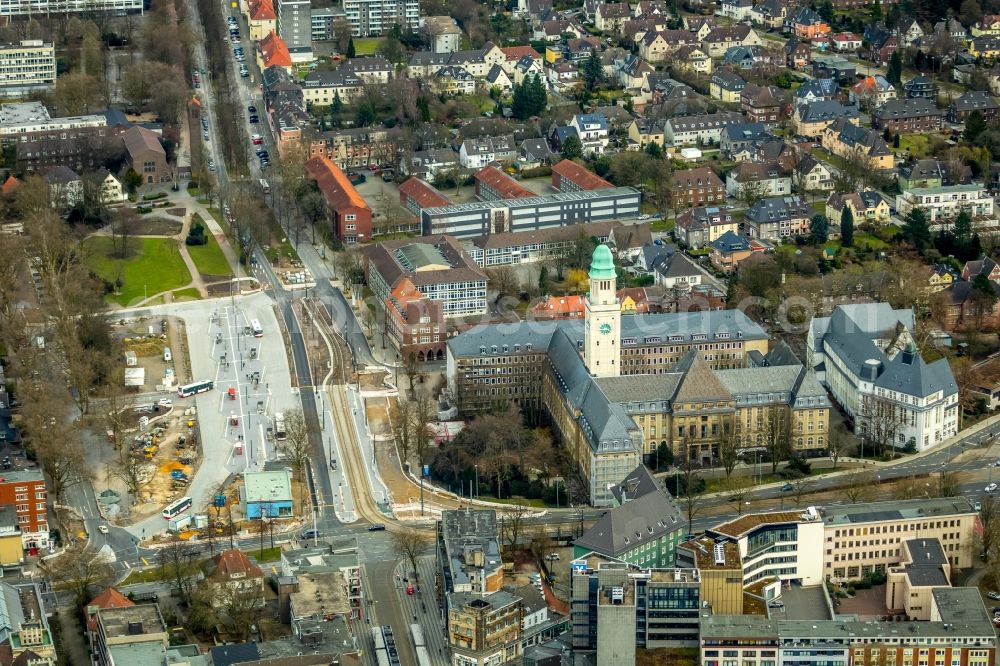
{"points": [[502, 184], [578, 174], [334, 185], [9, 185], [515, 53], [560, 307], [262, 10], [232, 561], [274, 51], [109, 598], [422, 192]]}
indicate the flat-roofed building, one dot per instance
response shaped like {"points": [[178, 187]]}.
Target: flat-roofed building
{"points": [[61, 7], [129, 635], [860, 539], [29, 65], [468, 552]]}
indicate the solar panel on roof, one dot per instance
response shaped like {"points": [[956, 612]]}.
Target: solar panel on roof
{"points": [[874, 516]]}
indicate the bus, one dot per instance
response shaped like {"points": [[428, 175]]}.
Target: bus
{"points": [[195, 387], [279, 426], [265, 188], [256, 328], [418, 635], [177, 508]]}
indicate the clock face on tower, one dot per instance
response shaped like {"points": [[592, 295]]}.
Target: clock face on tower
{"points": [[605, 328]]}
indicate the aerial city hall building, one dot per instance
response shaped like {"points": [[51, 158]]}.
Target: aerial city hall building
{"points": [[615, 387]]}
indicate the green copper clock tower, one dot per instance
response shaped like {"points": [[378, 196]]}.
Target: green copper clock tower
{"points": [[602, 318]]}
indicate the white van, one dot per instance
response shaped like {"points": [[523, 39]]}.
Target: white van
{"points": [[167, 355]]}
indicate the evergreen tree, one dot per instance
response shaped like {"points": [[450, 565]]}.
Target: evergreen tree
{"points": [[819, 229], [572, 149], [337, 105], [846, 227], [350, 49], [974, 126], [894, 74], [653, 150], [592, 71], [963, 229], [895, 141], [916, 228], [424, 107], [530, 98], [876, 11]]}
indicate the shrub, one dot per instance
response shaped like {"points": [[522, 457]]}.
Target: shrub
{"points": [[196, 236], [153, 196]]}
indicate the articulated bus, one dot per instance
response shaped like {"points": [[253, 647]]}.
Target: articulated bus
{"points": [[195, 387], [177, 508]]}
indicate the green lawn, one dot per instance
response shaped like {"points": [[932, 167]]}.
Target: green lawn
{"points": [[918, 145], [156, 574], [186, 295], [366, 45], [862, 242], [154, 265], [209, 257]]}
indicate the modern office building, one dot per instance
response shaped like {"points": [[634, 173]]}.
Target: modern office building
{"points": [[959, 632], [531, 213], [866, 356], [28, 66], [372, 18]]}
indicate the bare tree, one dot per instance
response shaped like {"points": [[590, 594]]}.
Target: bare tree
{"points": [[800, 489], [691, 484], [880, 422], [123, 224], [176, 561], [296, 445], [729, 448], [989, 515], [777, 434], [739, 489], [81, 570], [118, 413], [411, 368], [512, 521], [859, 487], [239, 606], [837, 444], [410, 544]]}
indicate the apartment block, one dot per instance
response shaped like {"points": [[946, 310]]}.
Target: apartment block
{"points": [[134, 634], [59, 7], [943, 204], [468, 552], [294, 24], [25, 490], [30, 65], [484, 630], [372, 18]]}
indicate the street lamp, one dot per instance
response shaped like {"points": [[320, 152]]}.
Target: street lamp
{"points": [[477, 483]]}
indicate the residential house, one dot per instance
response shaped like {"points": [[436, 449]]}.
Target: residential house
{"points": [[272, 52], [812, 118], [650, 8], [966, 311], [233, 575], [737, 10], [697, 187], [692, 57], [845, 41], [656, 47], [774, 218], [745, 57], [261, 19], [834, 67], [323, 87], [873, 91], [443, 33], [909, 31], [726, 86], [846, 139], [973, 100], [729, 250], [764, 104], [431, 162], [798, 54], [498, 79], [867, 207], [526, 69], [676, 271], [720, 39], [454, 81], [769, 14], [933, 173], [807, 24], [985, 266], [902, 116], [921, 87], [610, 16], [776, 149], [534, 153], [350, 215], [737, 138], [954, 28], [643, 131], [111, 188], [758, 179], [942, 204], [633, 73], [579, 50], [698, 130], [699, 227], [815, 90], [558, 307], [145, 155], [65, 187], [700, 26], [986, 47], [989, 24], [882, 42], [811, 175], [592, 128], [479, 152]]}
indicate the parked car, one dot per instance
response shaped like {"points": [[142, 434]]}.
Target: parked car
{"points": [[310, 533], [376, 527], [776, 603], [991, 487], [257, 139], [993, 595]]}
